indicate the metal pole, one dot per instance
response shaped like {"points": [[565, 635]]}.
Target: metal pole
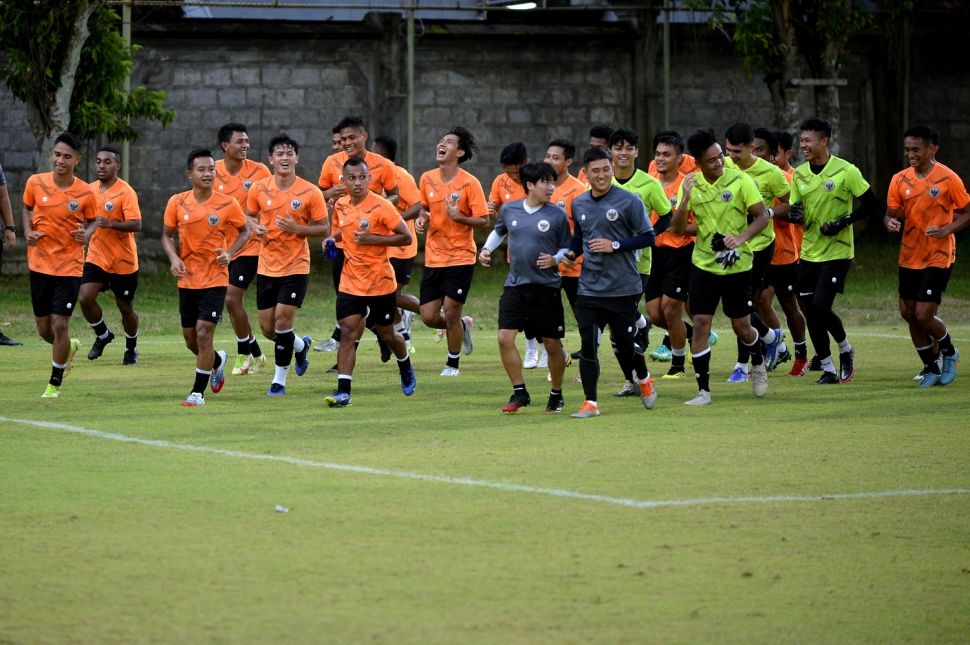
{"points": [[666, 64], [410, 99], [126, 36]]}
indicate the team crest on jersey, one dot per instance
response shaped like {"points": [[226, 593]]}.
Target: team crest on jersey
{"points": [[673, 202], [455, 197], [247, 184], [829, 185], [726, 196], [561, 203], [73, 206], [213, 219], [364, 225], [296, 204], [612, 215], [109, 206], [543, 225], [935, 192]]}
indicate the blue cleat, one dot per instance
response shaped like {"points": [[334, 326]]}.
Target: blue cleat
{"points": [[929, 379], [949, 371], [218, 377], [738, 376], [338, 400], [712, 338], [276, 389], [409, 382], [302, 362], [771, 349]]}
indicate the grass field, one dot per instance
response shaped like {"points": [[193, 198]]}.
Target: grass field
{"points": [[814, 515]]}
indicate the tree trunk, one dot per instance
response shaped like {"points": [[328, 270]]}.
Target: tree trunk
{"points": [[784, 97], [647, 109]]}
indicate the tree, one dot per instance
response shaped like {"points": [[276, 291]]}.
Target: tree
{"points": [[66, 61]]}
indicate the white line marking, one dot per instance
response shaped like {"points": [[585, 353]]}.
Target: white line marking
{"points": [[482, 483]]}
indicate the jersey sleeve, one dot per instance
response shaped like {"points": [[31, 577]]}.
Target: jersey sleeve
{"points": [[408, 193], [495, 194], [750, 194], [170, 218], [501, 228], [317, 208], [778, 183], [252, 198], [28, 199], [795, 195], [476, 200], [958, 193], [388, 180], [893, 200], [89, 208], [854, 181], [235, 216], [131, 211], [657, 200]]}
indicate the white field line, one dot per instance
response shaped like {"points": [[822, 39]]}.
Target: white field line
{"points": [[483, 483]]}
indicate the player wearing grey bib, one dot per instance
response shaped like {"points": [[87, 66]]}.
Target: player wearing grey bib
{"points": [[539, 239], [611, 224]]}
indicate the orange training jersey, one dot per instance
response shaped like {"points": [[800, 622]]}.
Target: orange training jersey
{"points": [[408, 196], [367, 271], [563, 197], [788, 236], [381, 170], [114, 251], [281, 253], [448, 243], [669, 238], [505, 190], [238, 186], [925, 202], [202, 230], [57, 214], [687, 165]]}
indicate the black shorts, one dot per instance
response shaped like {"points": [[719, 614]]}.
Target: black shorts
{"points": [[923, 285], [402, 270], [759, 267], [453, 282], [284, 290], [122, 285], [201, 304], [619, 312], [570, 285], [379, 310], [733, 291], [535, 309], [53, 294], [784, 278], [336, 268], [827, 278], [670, 273], [242, 270]]}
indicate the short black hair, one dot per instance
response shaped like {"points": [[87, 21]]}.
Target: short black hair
{"points": [[350, 121], [195, 154], [514, 154], [624, 134], [784, 139], [389, 145], [283, 139], [673, 140], [466, 142], [353, 162], [666, 133], [69, 139], [536, 172], [601, 131], [700, 141], [927, 133], [769, 138], [740, 134], [225, 132], [113, 150], [816, 124], [595, 154], [568, 148]]}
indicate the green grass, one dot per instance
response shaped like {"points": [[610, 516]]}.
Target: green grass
{"points": [[103, 541]]}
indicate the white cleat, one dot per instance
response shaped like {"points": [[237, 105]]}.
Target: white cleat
{"points": [[759, 380], [449, 371], [703, 398]]}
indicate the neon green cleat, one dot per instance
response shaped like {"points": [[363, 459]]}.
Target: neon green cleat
{"points": [[257, 364], [52, 392], [241, 365], [75, 345]]}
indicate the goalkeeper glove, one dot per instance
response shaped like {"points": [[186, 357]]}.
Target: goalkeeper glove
{"points": [[836, 225], [727, 258], [796, 214], [717, 242]]}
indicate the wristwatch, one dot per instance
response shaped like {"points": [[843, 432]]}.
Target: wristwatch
{"points": [[616, 245]]}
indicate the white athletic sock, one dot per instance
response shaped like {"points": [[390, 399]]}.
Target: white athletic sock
{"points": [[244, 339], [298, 344], [678, 352], [828, 365], [641, 322], [280, 375], [531, 345], [770, 336], [738, 366], [782, 348], [844, 346]]}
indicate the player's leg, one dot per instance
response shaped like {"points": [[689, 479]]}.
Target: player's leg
{"points": [[619, 312], [94, 280], [350, 318], [933, 284], [588, 320], [705, 295], [124, 288]]}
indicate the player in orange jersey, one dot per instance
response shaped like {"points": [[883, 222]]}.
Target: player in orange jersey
{"points": [[599, 137], [456, 206], [507, 186], [927, 204], [368, 225], [112, 259], [687, 163], [235, 174], [58, 217], [284, 211], [204, 221]]}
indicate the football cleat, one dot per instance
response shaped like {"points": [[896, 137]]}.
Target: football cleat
{"points": [[771, 349], [929, 380], [71, 353], [467, 344], [628, 389], [815, 365], [846, 366], [712, 338], [827, 378], [51, 392], [783, 357], [531, 358], [329, 345], [257, 364], [300, 358], [555, 403], [439, 335], [241, 365], [194, 399], [675, 372], [517, 401], [759, 380], [8, 341], [661, 354], [738, 376], [949, 370], [703, 398], [276, 389], [586, 411], [449, 371], [648, 393], [338, 400], [409, 382], [97, 348], [543, 359], [218, 377], [130, 357], [799, 367]]}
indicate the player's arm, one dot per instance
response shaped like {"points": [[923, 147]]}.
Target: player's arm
{"points": [[400, 237], [316, 228], [961, 219], [678, 221], [252, 221], [240, 241], [451, 209], [868, 207], [893, 219], [493, 241], [392, 194], [168, 245], [782, 208], [412, 212], [576, 246], [759, 215]]}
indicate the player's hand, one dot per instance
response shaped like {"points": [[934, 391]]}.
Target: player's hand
{"points": [[688, 184], [569, 262], [80, 234], [286, 223], [835, 226], [796, 213], [258, 229], [365, 237], [601, 245], [492, 210], [451, 209], [546, 261], [732, 242], [178, 269], [421, 222], [936, 231], [222, 257], [33, 237], [893, 225], [9, 239], [485, 258], [103, 222], [335, 192]]}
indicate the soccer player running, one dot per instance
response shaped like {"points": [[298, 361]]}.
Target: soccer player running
{"points": [[771, 183], [112, 258], [9, 241], [456, 206], [539, 239], [284, 210], [58, 217], [235, 174], [204, 221], [927, 204], [721, 200], [781, 279], [611, 224], [368, 225], [823, 190]]}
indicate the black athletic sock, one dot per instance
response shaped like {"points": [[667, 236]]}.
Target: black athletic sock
{"points": [[640, 366], [100, 328], [453, 360], [702, 369], [946, 345], [757, 351], [403, 365], [284, 348], [801, 350], [242, 347], [928, 356], [555, 392], [216, 360], [201, 381], [336, 334], [666, 340], [744, 353], [678, 361], [589, 370], [57, 376], [520, 389], [343, 384], [254, 347], [131, 341]]}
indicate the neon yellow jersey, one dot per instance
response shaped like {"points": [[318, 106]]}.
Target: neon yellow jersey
{"points": [[651, 191], [825, 197], [721, 207], [772, 185]]}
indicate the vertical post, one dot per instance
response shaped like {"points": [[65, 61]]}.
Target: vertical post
{"points": [[126, 36], [410, 99], [666, 64]]}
